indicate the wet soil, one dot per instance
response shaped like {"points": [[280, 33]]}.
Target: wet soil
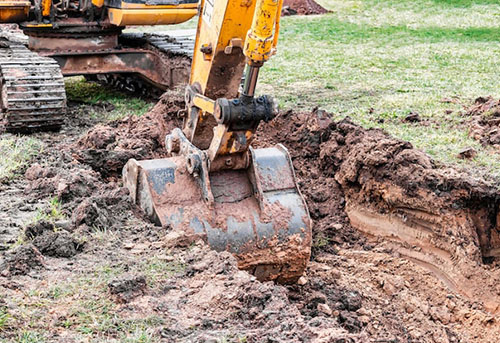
{"points": [[302, 7], [483, 119], [404, 248]]}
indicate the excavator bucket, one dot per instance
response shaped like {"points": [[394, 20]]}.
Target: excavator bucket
{"points": [[257, 213]]}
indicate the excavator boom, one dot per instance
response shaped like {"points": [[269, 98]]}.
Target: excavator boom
{"points": [[213, 184]]}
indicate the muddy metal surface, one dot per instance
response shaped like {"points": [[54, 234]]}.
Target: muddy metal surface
{"points": [[404, 249]]}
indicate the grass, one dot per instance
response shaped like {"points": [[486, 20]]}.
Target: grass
{"points": [[122, 105], [85, 307], [377, 61], [15, 154]]}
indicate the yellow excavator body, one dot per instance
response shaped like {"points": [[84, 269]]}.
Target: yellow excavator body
{"points": [[14, 11]]}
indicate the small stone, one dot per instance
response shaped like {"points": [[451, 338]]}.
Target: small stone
{"points": [[302, 280], [337, 226], [364, 319], [166, 258], [324, 308]]}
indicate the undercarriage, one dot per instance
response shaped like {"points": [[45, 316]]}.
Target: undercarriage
{"points": [[32, 70]]}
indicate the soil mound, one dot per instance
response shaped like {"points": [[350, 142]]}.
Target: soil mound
{"points": [[107, 147], [438, 217], [302, 7], [485, 121]]}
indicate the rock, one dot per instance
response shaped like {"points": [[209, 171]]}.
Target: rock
{"points": [[178, 239], [440, 313], [389, 288], [302, 280], [324, 308], [350, 321], [127, 287], [351, 301]]}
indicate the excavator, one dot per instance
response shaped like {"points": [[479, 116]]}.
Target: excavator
{"points": [[211, 183]]}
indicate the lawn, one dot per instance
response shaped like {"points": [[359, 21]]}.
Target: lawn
{"points": [[376, 61]]}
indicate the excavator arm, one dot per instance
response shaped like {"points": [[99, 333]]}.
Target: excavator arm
{"points": [[213, 184]]}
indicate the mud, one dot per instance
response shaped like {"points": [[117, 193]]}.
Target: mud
{"points": [[302, 7], [484, 121], [404, 248], [107, 147]]}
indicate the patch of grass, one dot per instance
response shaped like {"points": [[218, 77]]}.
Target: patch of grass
{"points": [[15, 154], [51, 213], [4, 318], [30, 337], [378, 60], [102, 98]]}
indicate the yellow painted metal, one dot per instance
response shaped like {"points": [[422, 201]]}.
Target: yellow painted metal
{"points": [[98, 3], [166, 16], [39, 25], [143, 6], [46, 5], [277, 27], [14, 11], [260, 38], [217, 27], [204, 103]]}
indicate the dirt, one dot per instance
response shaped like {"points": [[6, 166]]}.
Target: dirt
{"points": [[107, 147], [302, 7], [404, 249], [127, 288], [484, 121]]}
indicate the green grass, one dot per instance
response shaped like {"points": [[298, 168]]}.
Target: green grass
{"points": [[15, 154], [101, 97], [377, 61]]}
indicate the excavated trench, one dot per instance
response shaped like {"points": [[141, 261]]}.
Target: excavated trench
{"points": [[402, 245], [361, 186]]}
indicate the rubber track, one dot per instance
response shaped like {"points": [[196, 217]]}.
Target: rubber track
{"points": [[33, 95]]}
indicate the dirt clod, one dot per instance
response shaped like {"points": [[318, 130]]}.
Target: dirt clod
{"points": [[484, 121], [58, 244], [467, 153], [127, 287], [38, 228], [21, 261]]}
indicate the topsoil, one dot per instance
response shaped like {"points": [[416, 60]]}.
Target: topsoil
{"points": [[404, 248]]}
